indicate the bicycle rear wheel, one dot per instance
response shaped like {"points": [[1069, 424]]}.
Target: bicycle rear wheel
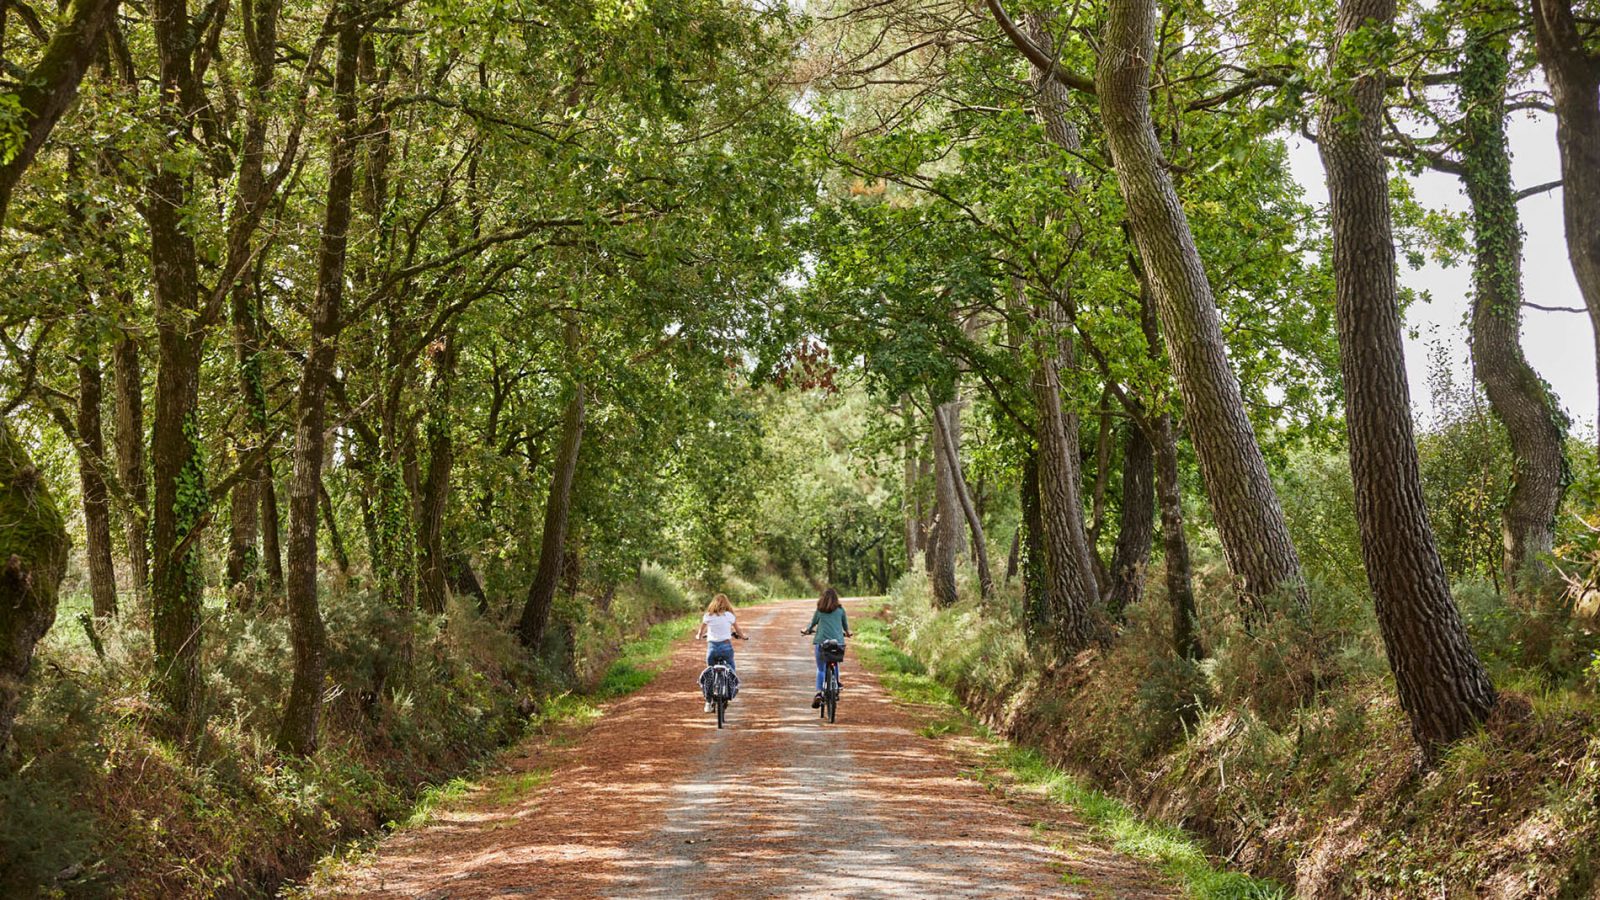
{"points": [[833, 692], [722, 712]]}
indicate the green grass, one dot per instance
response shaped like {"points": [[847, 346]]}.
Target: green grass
{"points": [[1171, 850], [641, 660]]}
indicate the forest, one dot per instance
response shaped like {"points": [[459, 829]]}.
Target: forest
{"points": [[373, 373]]}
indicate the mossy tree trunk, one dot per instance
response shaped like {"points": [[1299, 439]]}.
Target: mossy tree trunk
{"points": [[178, 469], [33, 559], [1519, 397], [436, 485]]}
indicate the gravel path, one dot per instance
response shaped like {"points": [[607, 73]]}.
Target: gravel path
{"points": [[655, 802]]}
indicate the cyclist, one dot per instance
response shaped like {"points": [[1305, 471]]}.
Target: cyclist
{"points": [[719, 627], [828, 623]]}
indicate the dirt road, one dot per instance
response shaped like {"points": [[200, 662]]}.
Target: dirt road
{"points": [[655, 802]]}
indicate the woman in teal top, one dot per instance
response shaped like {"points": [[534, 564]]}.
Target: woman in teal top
{"points": [[828, 623]]}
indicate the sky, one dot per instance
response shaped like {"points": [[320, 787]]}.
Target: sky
{"points": [[1559, 345]]}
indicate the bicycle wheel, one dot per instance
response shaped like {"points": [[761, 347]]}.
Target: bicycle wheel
{"points": [[722, 712], [833, 692]]}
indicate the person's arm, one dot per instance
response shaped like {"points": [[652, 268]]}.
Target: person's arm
{"points": [[700, 635], [844, 619], [815, 617], [736, 632]]}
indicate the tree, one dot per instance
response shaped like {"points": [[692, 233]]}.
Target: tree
{"points": [[1443, 687], [1249, 518], [1572, 67], [302, 711]]}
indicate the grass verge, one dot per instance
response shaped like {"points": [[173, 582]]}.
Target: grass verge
{"points": [[1171, 850]]}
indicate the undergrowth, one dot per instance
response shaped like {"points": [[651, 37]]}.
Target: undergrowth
{"points": [[1174, 852], [98, 802], [1284, 750]]}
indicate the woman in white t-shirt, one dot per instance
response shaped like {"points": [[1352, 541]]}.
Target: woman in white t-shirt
{"points": [[719, 627]]}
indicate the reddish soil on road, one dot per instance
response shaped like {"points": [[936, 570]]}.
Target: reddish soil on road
{"points": [[654, 801]]}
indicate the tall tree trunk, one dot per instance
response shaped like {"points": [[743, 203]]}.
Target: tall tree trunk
{"points": [[297, 734], [1014, 556], [1250, 523], [911, 503], [247, 501], [176, 581], [945, 540], [945, 442], [33, 559], [1136, 528], [536, 611], [1035, 602], [436, 486], [1518, 396], [271, 529], [1072, 597], [96, 507], [129, 384], [1572, 69], [1443, 687], [1174, 544], [341, 557]]}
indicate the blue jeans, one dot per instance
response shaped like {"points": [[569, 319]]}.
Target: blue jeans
{"points": [[720, 650], [822, 666]]}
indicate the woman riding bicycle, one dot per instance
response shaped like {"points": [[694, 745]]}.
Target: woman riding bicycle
{"points": [[719, 627], [828, 623]]}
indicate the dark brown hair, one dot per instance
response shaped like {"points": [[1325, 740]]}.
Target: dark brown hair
{"points": [[829, 601]]}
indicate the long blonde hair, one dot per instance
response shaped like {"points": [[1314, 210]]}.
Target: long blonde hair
{"points": [[719, 604]]}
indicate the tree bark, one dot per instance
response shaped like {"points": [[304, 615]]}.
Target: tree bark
{"points": [[1250, 523], [1035, 602], [96, 505], [297, 733], [1519, 397], [1136, 529], [341, 557], [536, 611], [944, 442], [1174, 544], [1014, 557], [436, 485], [129, 386], [945, 539], [177, 584], [911, 503], [271, 529], [1573, 72], [1072, 597], [1443, 688], [465, 582], [33, 559]]}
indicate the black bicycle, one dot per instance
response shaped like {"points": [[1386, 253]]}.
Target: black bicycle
{"points": [[720, 690], [724, 684], [832, 655]]}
